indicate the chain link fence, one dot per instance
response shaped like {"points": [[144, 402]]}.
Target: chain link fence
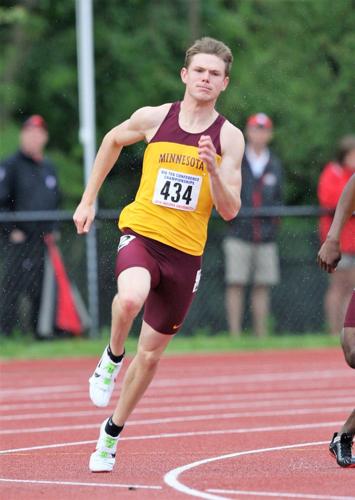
{"points": [[297, 301]]}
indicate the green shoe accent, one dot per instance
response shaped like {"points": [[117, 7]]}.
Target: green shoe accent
{"points": [[110, 368], [110, 441]]}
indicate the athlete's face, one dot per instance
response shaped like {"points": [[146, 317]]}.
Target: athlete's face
{"points": [[205, 77]]}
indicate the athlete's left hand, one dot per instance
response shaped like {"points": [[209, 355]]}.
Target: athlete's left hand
{"points": [[207, 153], [329, 255]]}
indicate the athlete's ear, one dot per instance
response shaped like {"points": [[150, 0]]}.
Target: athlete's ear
{"points": [[225, 83], [183, 74]]}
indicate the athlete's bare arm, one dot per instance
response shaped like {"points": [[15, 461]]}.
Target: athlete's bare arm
{"points": [[141, 126], [329, 254], [225, 180]]}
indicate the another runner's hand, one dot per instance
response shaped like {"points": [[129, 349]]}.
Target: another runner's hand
{"points": [[329, 255], [207, 153], [83, 217]]}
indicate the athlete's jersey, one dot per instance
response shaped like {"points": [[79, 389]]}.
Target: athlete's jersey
{"points": [[173, 203]]}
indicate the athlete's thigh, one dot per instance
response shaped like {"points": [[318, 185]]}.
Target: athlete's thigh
{"points": [[348, 344], [348, 333], [134, 282], [132, 253], [349, 321]]}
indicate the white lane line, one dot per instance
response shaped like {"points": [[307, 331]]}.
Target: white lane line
{"points": [[315, 394], [260, 377], [185, 418], [168, 409], [40, 390], [249, 387], [187, 408], [171, 477], [73, 483], [198, 381], [67, 396], [280, 495], [294, 427], [43, 406]]}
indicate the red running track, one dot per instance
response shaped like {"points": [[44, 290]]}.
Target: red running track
{"points": [[224, 426]]}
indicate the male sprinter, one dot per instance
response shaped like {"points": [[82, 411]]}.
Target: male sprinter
{"points": [[192, 162], [328, 257]]}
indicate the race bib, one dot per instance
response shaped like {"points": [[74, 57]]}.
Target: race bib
{"points": [[177, 190]]}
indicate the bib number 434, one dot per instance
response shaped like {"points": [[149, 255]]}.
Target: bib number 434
{"points": [[177, 190], [174, 192]]}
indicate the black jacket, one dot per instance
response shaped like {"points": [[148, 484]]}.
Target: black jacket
{"points": [[26, 185], [265, 191]]}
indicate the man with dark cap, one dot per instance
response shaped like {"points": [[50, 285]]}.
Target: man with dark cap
{"points": [[28, 182], [251, 254]]}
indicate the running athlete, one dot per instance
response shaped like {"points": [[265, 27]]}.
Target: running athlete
{"points": [[191, 163], [328, 257]]}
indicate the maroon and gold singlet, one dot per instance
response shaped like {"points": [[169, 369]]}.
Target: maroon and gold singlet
{"points": [[173, 203]]}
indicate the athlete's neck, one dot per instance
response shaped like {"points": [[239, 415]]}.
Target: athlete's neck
{"points": [[196, 116]]}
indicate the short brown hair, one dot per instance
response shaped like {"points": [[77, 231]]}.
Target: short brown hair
{"points": [[346, 144], [207, 45]]}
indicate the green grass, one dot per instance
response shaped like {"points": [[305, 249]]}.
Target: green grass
{"points": [[24, 347]]}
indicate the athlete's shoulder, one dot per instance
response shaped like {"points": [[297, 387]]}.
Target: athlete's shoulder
{"points": [[149, 117], [231, 136]]}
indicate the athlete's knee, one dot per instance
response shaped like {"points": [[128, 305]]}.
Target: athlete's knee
{"points": [[129, 304], [149, 359], [348, 343]]}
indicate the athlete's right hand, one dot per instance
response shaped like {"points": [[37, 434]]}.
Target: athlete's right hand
{"points": [[83, 217]]}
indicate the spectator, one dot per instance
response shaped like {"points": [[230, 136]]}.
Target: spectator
{"points": [[331, 183], [28, 182], [251, 254]]}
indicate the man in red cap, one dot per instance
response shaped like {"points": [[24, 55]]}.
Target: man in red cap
{"points": [[251, 254], [28, 182]]}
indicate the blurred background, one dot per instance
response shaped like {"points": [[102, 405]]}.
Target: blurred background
{"points": [[293, 60]]}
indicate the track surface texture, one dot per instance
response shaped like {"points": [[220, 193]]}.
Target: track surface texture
{"points": [[225, 426]]}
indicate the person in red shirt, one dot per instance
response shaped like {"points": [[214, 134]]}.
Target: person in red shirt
{"points": [[331, 184]]}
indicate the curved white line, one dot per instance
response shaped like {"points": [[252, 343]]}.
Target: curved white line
{"points": [[171, 477]]}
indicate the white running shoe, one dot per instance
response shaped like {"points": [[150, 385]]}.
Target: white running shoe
{"points": [[102, 381], [103, 458]]}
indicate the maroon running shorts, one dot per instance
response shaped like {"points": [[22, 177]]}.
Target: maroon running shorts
{"points": [[350, 313], [175, 276]]}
